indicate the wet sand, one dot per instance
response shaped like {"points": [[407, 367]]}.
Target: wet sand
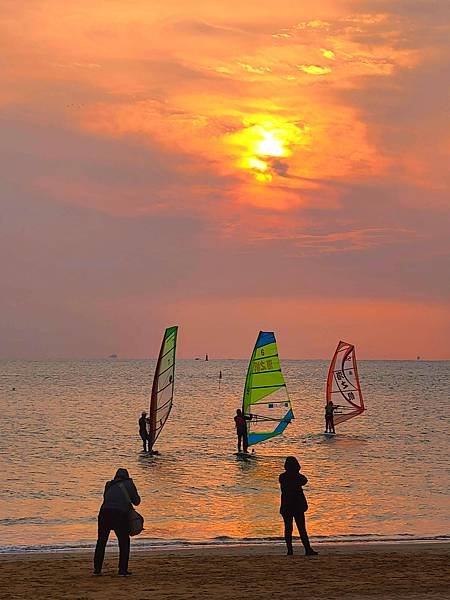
{"points": [[388, 571]]}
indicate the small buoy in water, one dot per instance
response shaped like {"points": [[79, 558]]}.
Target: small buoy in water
{"points": [[14, 389]]}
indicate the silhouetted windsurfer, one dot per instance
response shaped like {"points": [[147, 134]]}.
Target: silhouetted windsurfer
{"points": [[329, 417], [143, 432], [240, 421], [293, 504], [118, 498]]}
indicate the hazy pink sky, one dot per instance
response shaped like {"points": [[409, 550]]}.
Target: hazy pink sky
{"points": [[227, 167]]}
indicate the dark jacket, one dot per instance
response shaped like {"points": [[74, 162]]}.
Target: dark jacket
{"points": [[143, 426], [292, 497], [241, 425], [115, 497]]}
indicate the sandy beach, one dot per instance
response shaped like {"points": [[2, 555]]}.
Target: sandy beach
{"points": [[388, 571]]}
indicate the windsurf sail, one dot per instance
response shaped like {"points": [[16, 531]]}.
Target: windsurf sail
{"points": [[265, 392], [163, 384], [343, 384]]}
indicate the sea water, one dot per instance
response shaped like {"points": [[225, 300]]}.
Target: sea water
{"points": [[69, 425]]}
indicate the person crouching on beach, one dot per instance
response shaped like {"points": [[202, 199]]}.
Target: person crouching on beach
{"points": [[119, 496], [293, 504]]}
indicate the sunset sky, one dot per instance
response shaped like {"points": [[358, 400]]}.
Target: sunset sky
{"points": [[229, 167]]}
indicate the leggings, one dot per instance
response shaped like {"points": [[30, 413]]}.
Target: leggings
{"points": [[329, 423], [145, 440], [116, 520], [301, 526], [242, 440]]}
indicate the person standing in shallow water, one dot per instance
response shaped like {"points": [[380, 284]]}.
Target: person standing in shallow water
{"points": [[329, 417], [240, 420], [143, 432], [118, 498], [293, 504]]}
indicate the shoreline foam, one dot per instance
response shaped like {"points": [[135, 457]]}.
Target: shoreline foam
{"points": [[159, 544]]}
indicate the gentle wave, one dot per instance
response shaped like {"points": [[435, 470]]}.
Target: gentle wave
{"points": [[224, 541]]}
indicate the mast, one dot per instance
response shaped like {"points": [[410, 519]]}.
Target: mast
{"points": [[343, 383], [163, 385], [265, 379]]}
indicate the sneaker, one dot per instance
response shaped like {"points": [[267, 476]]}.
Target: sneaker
{"points": [[311, 552], [97, 573], [126, 574]]}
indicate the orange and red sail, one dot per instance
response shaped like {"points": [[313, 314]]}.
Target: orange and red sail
{"points": [[343, 384]]}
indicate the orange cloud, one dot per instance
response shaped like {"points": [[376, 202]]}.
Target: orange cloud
{"points": [[314, 69]]}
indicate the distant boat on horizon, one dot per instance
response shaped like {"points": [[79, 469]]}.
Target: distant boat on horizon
{"points": [[112, 356]]}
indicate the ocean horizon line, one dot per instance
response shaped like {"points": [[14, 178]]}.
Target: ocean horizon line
{"points": [[200, 359]]}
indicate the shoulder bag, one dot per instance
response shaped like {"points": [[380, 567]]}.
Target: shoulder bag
{"points": [[135, 520]]}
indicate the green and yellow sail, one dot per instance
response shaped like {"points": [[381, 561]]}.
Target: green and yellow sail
{"points": [[265, 392]]}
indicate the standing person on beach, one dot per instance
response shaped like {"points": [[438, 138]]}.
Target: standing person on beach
{"points": [[329, 417], [240, 420], [118, 498], [143, 432], [293, 504]]}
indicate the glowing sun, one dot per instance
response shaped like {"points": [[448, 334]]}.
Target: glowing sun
{"points": [[264, 141]]}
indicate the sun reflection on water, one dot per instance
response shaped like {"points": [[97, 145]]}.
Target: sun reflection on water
{"points": [[197, 489]]}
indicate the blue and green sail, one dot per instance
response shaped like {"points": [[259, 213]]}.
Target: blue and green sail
{"points": [[265, 393]]}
